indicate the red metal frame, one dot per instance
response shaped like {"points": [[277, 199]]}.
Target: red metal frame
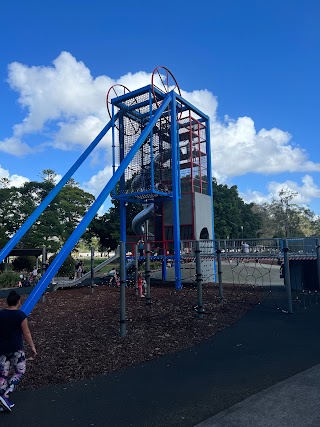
{"points": [[165, 83]]}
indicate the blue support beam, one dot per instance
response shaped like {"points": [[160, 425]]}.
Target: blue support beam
{"points": [[38, 211], [40, 288], [176, 191]]}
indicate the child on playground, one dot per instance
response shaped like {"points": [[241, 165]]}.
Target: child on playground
{"points": [[140, 285], [115, 278], [13, 326]]}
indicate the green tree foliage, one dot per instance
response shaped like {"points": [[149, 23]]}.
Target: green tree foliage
{"points": [[67, 268], [113, 217], [233, 218], [9, 279], [107, 227], [282, 218], [57, 221], [24, 263], [104, 230]]}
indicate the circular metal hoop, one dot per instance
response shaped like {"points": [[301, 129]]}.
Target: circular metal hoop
{"points": [[167, 83], [115, 91]]}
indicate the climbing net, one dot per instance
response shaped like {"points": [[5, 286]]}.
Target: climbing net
{"points": [[259, 274], [246, 269]]}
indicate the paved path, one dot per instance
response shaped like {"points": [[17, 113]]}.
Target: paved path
{"points": [[292, 403], [255, 355]]}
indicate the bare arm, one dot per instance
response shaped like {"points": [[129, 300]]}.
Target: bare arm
{"points": [[27, 334]]}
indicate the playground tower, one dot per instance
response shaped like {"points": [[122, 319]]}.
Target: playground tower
{"points": [[170, 175], [161, 159]]}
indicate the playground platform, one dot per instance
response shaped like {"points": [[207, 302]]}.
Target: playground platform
{"points": [[262, 371]]}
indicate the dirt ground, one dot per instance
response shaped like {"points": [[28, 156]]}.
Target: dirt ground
{"points": [[76, 332]]}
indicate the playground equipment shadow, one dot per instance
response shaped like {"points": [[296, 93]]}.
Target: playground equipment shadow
{"points": [[186, 388]]}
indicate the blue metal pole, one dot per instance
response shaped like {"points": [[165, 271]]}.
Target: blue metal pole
{"points": [[209, 163], [151, 145], [176, 186], [36, 293], [164, 268], [38, 211], [113, 142]]}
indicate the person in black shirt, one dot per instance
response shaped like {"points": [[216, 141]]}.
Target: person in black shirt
{"points": [[13, 326], [140, 247]]}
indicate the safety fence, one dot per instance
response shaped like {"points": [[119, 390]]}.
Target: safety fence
{"points": [[280, 274]]}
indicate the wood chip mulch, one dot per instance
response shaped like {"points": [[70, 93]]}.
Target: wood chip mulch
{"points": [[76, 331]]}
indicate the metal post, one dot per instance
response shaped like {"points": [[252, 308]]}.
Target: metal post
{"points": [[44, 267], [163, 253], [136, 264], [219, 271], [164, 268], [44, 259], [287, 275], [200, 309], [176, 191], [148, 274], [318, 260], [92, 268], [123, 289]]}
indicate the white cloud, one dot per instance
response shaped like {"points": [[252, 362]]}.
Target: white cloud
{"points": [[306, 191], [64, 95], [15, 180], [135, 81], [204, 100], [67, 104], [97, 182], [64, 98], [237, 148], [14, 146], [79, 132], [253, 196]]}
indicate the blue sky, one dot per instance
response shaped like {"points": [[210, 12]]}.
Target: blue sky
{"points": [[252, 66]]}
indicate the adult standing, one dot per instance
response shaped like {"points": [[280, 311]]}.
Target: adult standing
{"points": [[140, 247], [13, 327], [35, 273], [245, 248]]}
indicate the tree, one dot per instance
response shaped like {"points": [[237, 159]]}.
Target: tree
{"points": [[55, 224], [48, 175], [233, 218], [281, 218], [286, 213], [24, 262], [73, 204], [67, 268], [104, 230], [4, 182]]}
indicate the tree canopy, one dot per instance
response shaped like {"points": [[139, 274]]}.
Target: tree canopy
{"points": [[57, 221], [234, 219]]}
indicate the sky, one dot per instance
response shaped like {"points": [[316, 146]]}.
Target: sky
{"points": [[252, 66]]}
